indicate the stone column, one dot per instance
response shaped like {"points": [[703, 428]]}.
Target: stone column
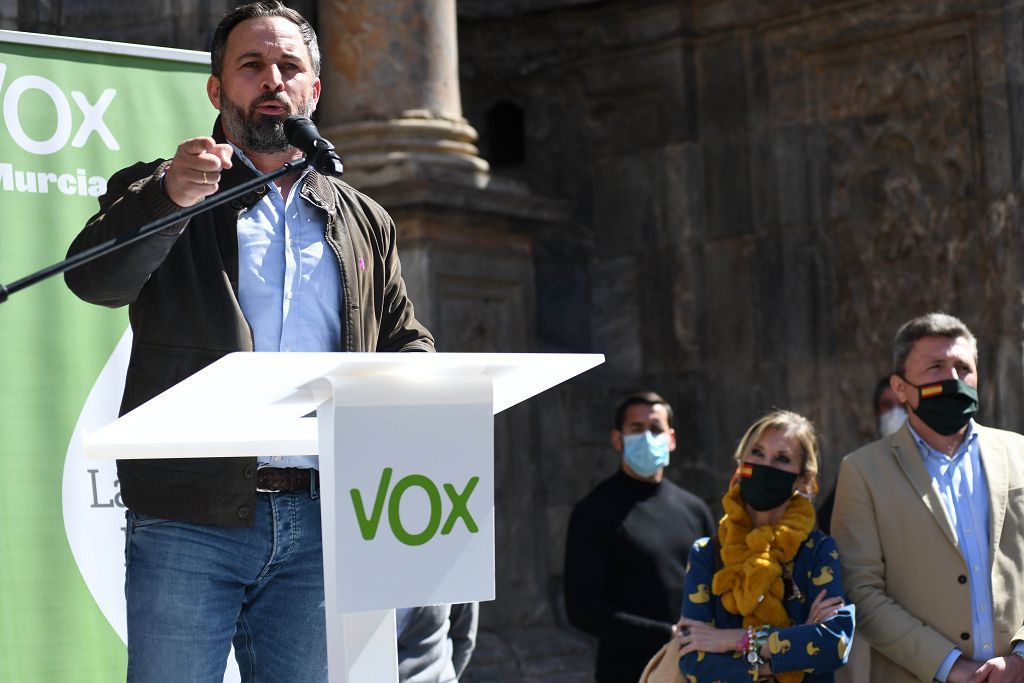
{"points": [[391, 99], [391, 104]]}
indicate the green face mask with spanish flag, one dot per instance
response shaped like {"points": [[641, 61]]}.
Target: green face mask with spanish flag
{"points": [[946, 406]]}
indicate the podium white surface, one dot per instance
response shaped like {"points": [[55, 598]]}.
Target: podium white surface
{"points": [[406, 467]]}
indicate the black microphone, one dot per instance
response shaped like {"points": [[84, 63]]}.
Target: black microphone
{"points": [[304, 136]]}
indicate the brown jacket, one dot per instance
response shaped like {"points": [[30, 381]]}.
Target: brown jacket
{"points": [[901, 563], [181, 288]]}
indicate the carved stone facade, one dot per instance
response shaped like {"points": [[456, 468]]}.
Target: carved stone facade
{"points": [[736, 201], [765, 190]]}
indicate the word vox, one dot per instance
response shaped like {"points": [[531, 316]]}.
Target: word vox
{"points": [[459, 508]]}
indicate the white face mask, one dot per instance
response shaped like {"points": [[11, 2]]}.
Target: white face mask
{"points": [[889, 422]]}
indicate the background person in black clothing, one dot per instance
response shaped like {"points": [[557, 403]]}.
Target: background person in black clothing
{"points": [[889, 417], [628, 540]]}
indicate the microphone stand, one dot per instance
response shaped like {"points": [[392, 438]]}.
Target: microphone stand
{"points": [[109, 246]]}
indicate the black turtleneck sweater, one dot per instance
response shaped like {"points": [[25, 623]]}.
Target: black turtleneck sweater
{"points": [[625, 558]]}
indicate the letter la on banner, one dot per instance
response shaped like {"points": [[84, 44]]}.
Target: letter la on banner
{"points": [[75, 111]]}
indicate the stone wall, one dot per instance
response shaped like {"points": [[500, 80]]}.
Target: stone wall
{"points": [[756, 194], [185, 24], [763, 192]]}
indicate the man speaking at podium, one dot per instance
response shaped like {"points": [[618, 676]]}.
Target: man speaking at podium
{"points": [[222, 551]]}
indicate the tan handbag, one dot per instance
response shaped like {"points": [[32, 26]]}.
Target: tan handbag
{"points": [[664, 665]]}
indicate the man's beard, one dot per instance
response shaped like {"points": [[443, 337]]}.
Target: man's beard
{"points": [[257, 132]]}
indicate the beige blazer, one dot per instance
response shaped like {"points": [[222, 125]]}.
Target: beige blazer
{"points": [[902, 565]]}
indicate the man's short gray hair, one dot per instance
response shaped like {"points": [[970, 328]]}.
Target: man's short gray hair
{"points": [[930, 325]]}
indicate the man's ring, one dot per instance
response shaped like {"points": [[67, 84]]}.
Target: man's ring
{"points": [[206, 181]]}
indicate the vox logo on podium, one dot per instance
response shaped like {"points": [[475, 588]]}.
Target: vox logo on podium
{"points": [[458, 508]]}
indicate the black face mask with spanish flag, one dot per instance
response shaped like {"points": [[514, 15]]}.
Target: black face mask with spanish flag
{"points": [[946, 406], [763, 487]]}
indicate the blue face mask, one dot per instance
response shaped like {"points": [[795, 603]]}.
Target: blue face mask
{"points": [[645, 453]]}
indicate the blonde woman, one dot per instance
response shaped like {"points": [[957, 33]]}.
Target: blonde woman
{"points": [[764, 599]]}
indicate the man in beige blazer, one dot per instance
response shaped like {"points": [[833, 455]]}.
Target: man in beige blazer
{"points": [[930, 523]]}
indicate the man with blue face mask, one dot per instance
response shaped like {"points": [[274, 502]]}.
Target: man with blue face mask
{"points": [[628, 541]]}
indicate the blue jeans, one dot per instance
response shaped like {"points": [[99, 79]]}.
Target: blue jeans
{"points": [[194, 589]]}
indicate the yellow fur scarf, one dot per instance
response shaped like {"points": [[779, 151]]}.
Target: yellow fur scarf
{"points": [[750, 580]]}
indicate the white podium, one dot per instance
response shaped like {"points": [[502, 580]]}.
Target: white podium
{"points": [[406, 466]]}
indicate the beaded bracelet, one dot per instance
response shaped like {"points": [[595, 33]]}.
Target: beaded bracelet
{"points": [[742, 643]]}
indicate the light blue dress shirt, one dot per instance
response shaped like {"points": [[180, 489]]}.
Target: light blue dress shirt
{"points": [[289, 281], [963, 489]]}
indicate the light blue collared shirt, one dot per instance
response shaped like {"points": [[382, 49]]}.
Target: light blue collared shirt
{"points": [[289, 283], [963, 489]]}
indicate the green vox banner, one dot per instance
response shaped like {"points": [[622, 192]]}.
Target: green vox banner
{"points": [[74, 112]]}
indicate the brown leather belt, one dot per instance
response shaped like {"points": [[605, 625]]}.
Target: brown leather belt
{"points": [[278, 479]]}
